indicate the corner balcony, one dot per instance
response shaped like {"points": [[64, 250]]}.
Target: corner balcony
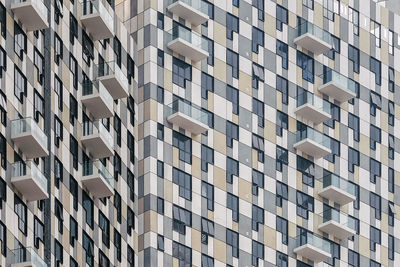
{"points": [[337, 189], [194, 11], [312, 247], [313, 38], [31, 13], [29, 180], [188, 43], [97, 140], [97, 179], [337, 86], [313, 108], [29, 138], [97, 100], [188, 117], [26, 257], [337, 223], [98, 19], [313, 143], [113, 79]]}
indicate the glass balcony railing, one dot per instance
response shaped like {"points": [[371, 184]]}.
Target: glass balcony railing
{"points": [[330, 75], [339, 217], [19, 169], [189, 110], [196, 4], [313, 135], [96, 167], [313, 240], [317, 102], [39, 6], [195, 39], [308, 27], [29, 254], [90, 128], [28, 126], [90, 88], [112, 68], [337, 181], [98, 7]]}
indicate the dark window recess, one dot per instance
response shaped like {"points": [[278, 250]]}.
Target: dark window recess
{"points": [[375, 203], [73, 67], [335, 48], [87, 205], [160, 58], [375, 67], [21, 211], [58, 49], [160, 94], [391, 247], [391, 212], [335, 116], [281, 17], [58, 172], [335, 252], [38, 61], [232, 94], [282, 86], [73, 146], [117, 244], [130, 221], [232, 133], [232, 168], [73, 231], [117, 166], [259, 4], [354, 258], [58, 253], [73, 187], [391, 180], [309, 4], [354, 56], [117, 51], [181, 219], [88, 246], [3, 238], [207, 157], [306, 168], [335, 148], [38, 231], [130, 69], [305, 203], [375, 136], [182, 253], [258, 75], [282, 120], [131, 185], [58, 10], [257, 217], [391, 80], [374, 169], [207, 192], [117, 205], [258, 181], [181, 72], [354, 159], [184, 181], [258, 109], [131, 257], [58, 131], [160, 205], [73, 28], [58, 89], [58, 212], [281, 259], [257, 252], [207, 229], [282, 51], [160, 20], [160, 242], [131, 109], [3, 20], [131, 147], [282, 227], [375, 103], [117, 128], [207, 85], [375, 238], [38, 110], [281, 193], [232, 239], [233, 204], [19, 85], [104, 225], [258, 144], [87, 48], [232, 60], [210, 46], [232, 25], [184, 144], [20, 42], [354, 124], [306, 63], [3, 190], [257, 38], [160, 131], [391, 114]]}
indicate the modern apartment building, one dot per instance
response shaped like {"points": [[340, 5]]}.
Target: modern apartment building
{"points": [[199, 133]]}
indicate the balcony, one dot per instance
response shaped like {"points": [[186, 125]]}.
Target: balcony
{"points": [[337, 223], [188, 43], [313, 38], [98, 19], [26, 257], [337, 189], [97, 140], [313, 108], [113, 79], [188, 117], [337, 86], [29, 138], [31, 13], [97, 100], [312, 247], [194, 11], [312, 143], [97, 179], [29, 180]]}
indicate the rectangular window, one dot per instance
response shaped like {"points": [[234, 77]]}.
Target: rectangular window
{"points": [[375, 170], [131, 109], [131, 147], [58, 172], [117, 244], [354, 17], [281, 193], [305, 203], [354, 258], [3, 20], [375, 238], [38, 228], [373, 263], [306, 168], [58, 253], [210, 46], [282, 120], [3, 192], [232, 203], [131, 257], [58, 89], [73, 28], [335, 252], [258, 144], [232, 132], [160, 242], [130, 69], [117, 128], [130, 220], [207, 157], [207, 84], [391, 113], [335, 116], [354, 57], [375, 67], [375, 103], [207, 229], [160, 95], [258, 109], [58, 131], [88, 246], [181, 219], [232, 239], [335, 48], [309, 4], [282, 227], [391, 147], [160, 20], [257, 38], [58, 10], [160, 205], [391, 42], [375, 136], [73, 146], [160, 169], [306, 63], [117, 205], [3, 151], [354, 124], [73, 67], [73, 187], [281, 158], [232, 25], [104, 225], [232, 168], [283, 51], [184, 144], [391, 212], [182, 253], [87, 48], [184, 181], [375, 30], [21, 211], [330, 8], [335, 148], [38, 110], [73, 231], [281, 259], [259, 4], [117, 166], [181, 72], [391, 247], [131, 185], [257, 252], [117, 51], [281, 17], [258, 181], [20, 42], [160, 58], [354, 159], [375, 203], [3, 61], [58, 212], [257, 217], [391, 79], [38, 61], [391, 180], [58, 48], [282, 86], [19, 85], [235, 3], [258, 75], [3, 238], [232, 95], [87, 205], [232, 59]]}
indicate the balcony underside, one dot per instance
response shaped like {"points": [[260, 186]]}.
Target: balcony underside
{"points": [[116, 89], [312, 43], [30, 146], [96, 26], [187, 49], [336, 91], [312, 253], [97, 186], [185, 11], [97, 106], [309, 112], [30, 17], [97, 147], [29, 188], [337, 195], [338, 230], [312, 148], [186, 122]]}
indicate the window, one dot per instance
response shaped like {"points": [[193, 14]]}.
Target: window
{"points": [[160, 95], [73, 231], [58, 89], [232, 59], [3, 192], [391, 147], [160, 205], [3, 20], [207, 157], [38, 106], [58, 212], [38, 61], [258, 109], [232, 132], [375, 30], [19, 41], [335, 48], [335, 148], [58, 131], [235, 3], [282, 51], [89, 249], [73, 147], [258, 76], [232, 239], [329, 9], [73, 187], [206, 261], [375, 170], [58, 48], [181, 72], [160, 242], [131, 109], [257, 38], [391, 180], [376, 103], [375, 238], [281, 259], [232, 25], [375, 136], [3, 237], [257, 252], [207, 192], [131, 257], [232, 95], [182, 218], [356, 203], [391, 79], [117, 51], [281, 158], [184, 181], [207, 84], [391, 113], [58, 10], [281, 122], [391, 247], [160, 169], [233, 204], [306, 63], [21, 211], [104, 225], [117, 244], [87, 205], [354, 124], [306, 167], [258, 181], [257, 217], [58, 253], [258, 144], [375, 67], [182, 253], [103, 260], [309, 4], [282, 86], [281, 17], [391, 42], [130, 69], [354, 159], [335, 116], [232, 168], [375, 203], [72, 262], [131, 148], [259, 4], [160, 20], [354, 258], [73, 67], [282, 227], [117, 205], [58, 172], [354, 56], [281, 193], [391, 212], [38, 228], [117, 128], [160, 58], [354, 17], [207, 229], [305, 203], [73, 28], [373, 263], [3, 60], [130, 220], [335, 252], [19, 85], [87, 48], [210, 46], [184, 144]]}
